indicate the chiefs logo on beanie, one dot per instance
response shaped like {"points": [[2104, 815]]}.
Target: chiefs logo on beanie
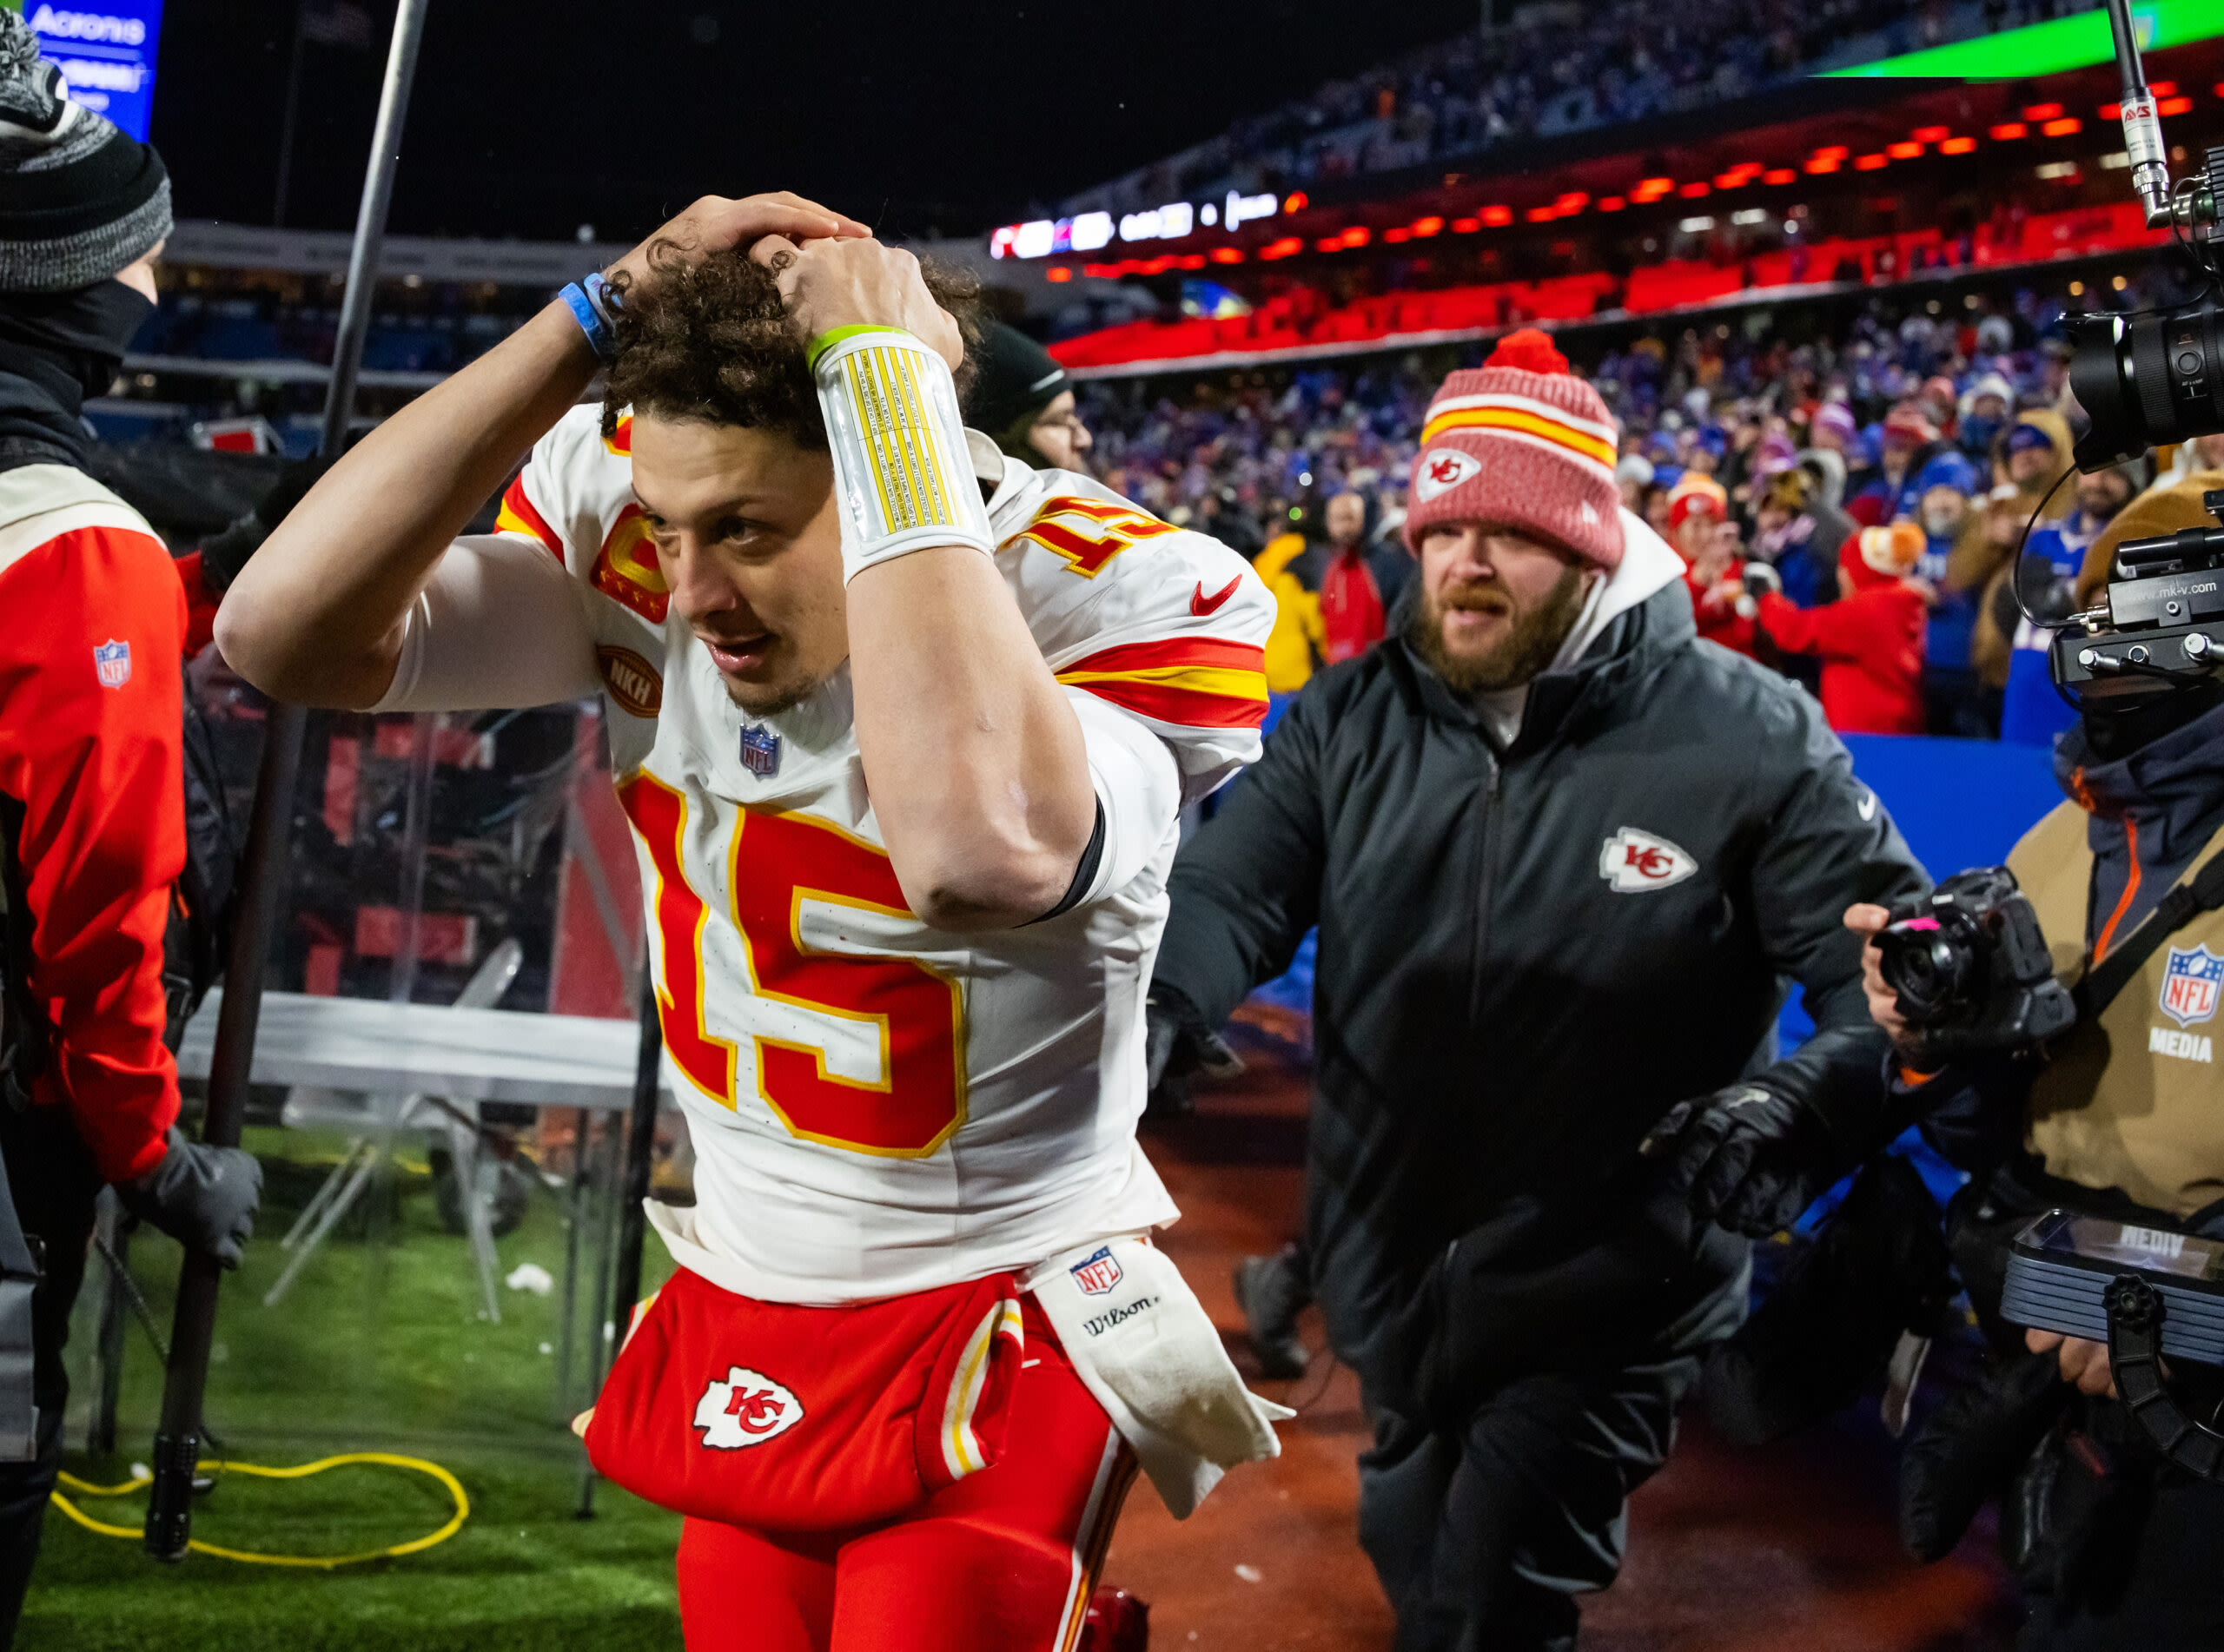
{"points": [[1521, 443]]}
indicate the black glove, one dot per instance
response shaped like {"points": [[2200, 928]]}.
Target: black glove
{"points": [[224, 553], [1177, 1044], [1750, 1159], [203, 1197], [1762, 579]]}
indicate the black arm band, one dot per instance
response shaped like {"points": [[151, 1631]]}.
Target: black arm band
{"points": [[1084, 874]]}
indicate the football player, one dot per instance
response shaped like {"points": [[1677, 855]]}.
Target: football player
{"points": [[902, 726]]}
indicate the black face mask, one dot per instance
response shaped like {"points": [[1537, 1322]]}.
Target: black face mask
{"points": [[57, 349]]}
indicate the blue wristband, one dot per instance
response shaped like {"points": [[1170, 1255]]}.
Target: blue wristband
{"points": [[590, 302]]}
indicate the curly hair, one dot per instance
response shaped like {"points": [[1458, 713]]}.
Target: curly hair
{"points": [[711, 342]]}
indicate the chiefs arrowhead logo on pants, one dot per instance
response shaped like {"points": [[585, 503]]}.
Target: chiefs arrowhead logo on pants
{"points": [[747, 1409]]}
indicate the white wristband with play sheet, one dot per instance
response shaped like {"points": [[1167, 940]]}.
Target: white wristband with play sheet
{"points": [[901, 475]]}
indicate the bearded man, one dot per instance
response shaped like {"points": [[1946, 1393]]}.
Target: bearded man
{"points": [[1560, 852]]}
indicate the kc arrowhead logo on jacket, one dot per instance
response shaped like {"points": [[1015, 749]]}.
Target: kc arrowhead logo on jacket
{"points": [[1632, 862], [1441, 469], [747, 1409]]}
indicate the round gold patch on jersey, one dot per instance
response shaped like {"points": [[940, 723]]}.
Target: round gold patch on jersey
{"points": [[635, 686]]}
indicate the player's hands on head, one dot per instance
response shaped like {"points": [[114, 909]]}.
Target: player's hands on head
{"points": [[717, 224], [836, 281]]}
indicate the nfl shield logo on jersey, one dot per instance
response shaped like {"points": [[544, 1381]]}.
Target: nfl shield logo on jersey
{"points": [[2190, 984], [760, 751], [1098, 1273], [112, 660]]}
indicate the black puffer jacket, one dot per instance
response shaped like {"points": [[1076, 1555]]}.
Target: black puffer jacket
{"points": [[1527, 957]]}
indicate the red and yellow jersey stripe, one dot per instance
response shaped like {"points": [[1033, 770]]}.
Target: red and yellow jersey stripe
{"points": [[519, 515], [1199, 682], [621, 440]]}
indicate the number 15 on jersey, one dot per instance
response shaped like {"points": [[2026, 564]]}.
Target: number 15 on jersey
{"points": [[774, 863]]}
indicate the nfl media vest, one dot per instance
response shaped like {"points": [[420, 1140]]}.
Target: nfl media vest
{"points": [[2131, 1098]]}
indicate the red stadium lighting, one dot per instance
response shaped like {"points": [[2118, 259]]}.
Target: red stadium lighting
{"points": [[1424, 227], [1329, 244], [2218, 88], [1357, 235], [1930, 134], [1869, 163], [1296, 200], [1611, 203], [2174, 106], [1957, 146], [1731, 180], [1542, 214], [1193, 261], [2043, 112], [2067, 125], [1228, 254], [1819, 166], [1652, 188], [1104, 271], [1780, 176], [1835, 152], [1287, 247], [1393, 236], [1057, 272], [1497, 215], [1903, 151], [1693, 191], [1466, 226], [1573, 200], [2007, 129], [2163, 87]]}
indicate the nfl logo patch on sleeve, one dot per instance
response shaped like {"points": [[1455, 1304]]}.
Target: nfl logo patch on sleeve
{"points": [[112, 663], [1097, 1274], [2190, 984]]}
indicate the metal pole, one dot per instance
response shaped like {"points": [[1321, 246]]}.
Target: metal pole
{"points": [[293, 109], [263, 874], [632, 1220]]}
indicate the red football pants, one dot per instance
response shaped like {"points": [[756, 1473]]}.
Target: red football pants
{"points": [[1006, 1558]]}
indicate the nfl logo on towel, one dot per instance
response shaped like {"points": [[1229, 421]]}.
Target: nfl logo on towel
{"points": [[1098, 1274], [760, 752], [2190, 984], [112, 660]]}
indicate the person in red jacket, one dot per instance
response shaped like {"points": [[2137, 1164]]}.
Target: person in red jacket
{"points": [[1699, 528], [92, 812], [1871, 640]]}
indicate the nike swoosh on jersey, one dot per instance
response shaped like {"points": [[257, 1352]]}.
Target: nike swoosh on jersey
{"points": [[1867, 807], [1200, 604]]}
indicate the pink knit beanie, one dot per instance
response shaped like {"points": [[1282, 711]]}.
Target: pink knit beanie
{"points": [[1522, 443]]}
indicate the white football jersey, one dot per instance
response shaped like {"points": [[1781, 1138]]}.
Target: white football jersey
{"points": [[878, 1107]]}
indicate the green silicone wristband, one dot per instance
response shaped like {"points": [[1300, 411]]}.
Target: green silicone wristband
{"points": [[826, 340]]}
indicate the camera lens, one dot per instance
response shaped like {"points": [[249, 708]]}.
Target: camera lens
{"points": [[2146, 381], [1928, 968]]}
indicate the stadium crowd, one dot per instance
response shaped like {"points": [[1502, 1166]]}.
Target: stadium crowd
{"points": [[1907, 444], [1554, 73]]}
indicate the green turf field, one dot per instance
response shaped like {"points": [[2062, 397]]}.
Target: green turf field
{"points": [[381, 1346]]}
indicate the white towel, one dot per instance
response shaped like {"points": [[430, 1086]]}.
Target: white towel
{"points": [[1145, 1347]]}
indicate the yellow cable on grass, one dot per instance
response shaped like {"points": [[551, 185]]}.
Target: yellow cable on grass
{"points": [[414, 1465]]}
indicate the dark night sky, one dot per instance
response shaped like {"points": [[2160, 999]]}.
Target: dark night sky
{"points": [[534, 117]]}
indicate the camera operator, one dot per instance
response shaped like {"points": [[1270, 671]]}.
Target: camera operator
{"points": [[2116, 1118], [1560, 852], [92, 811]]}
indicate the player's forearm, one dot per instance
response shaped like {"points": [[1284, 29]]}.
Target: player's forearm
{"points": [[973, 758], [316, 616]]}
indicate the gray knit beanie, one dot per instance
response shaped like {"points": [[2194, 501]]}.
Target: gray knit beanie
{"points": [[79, 199]]}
